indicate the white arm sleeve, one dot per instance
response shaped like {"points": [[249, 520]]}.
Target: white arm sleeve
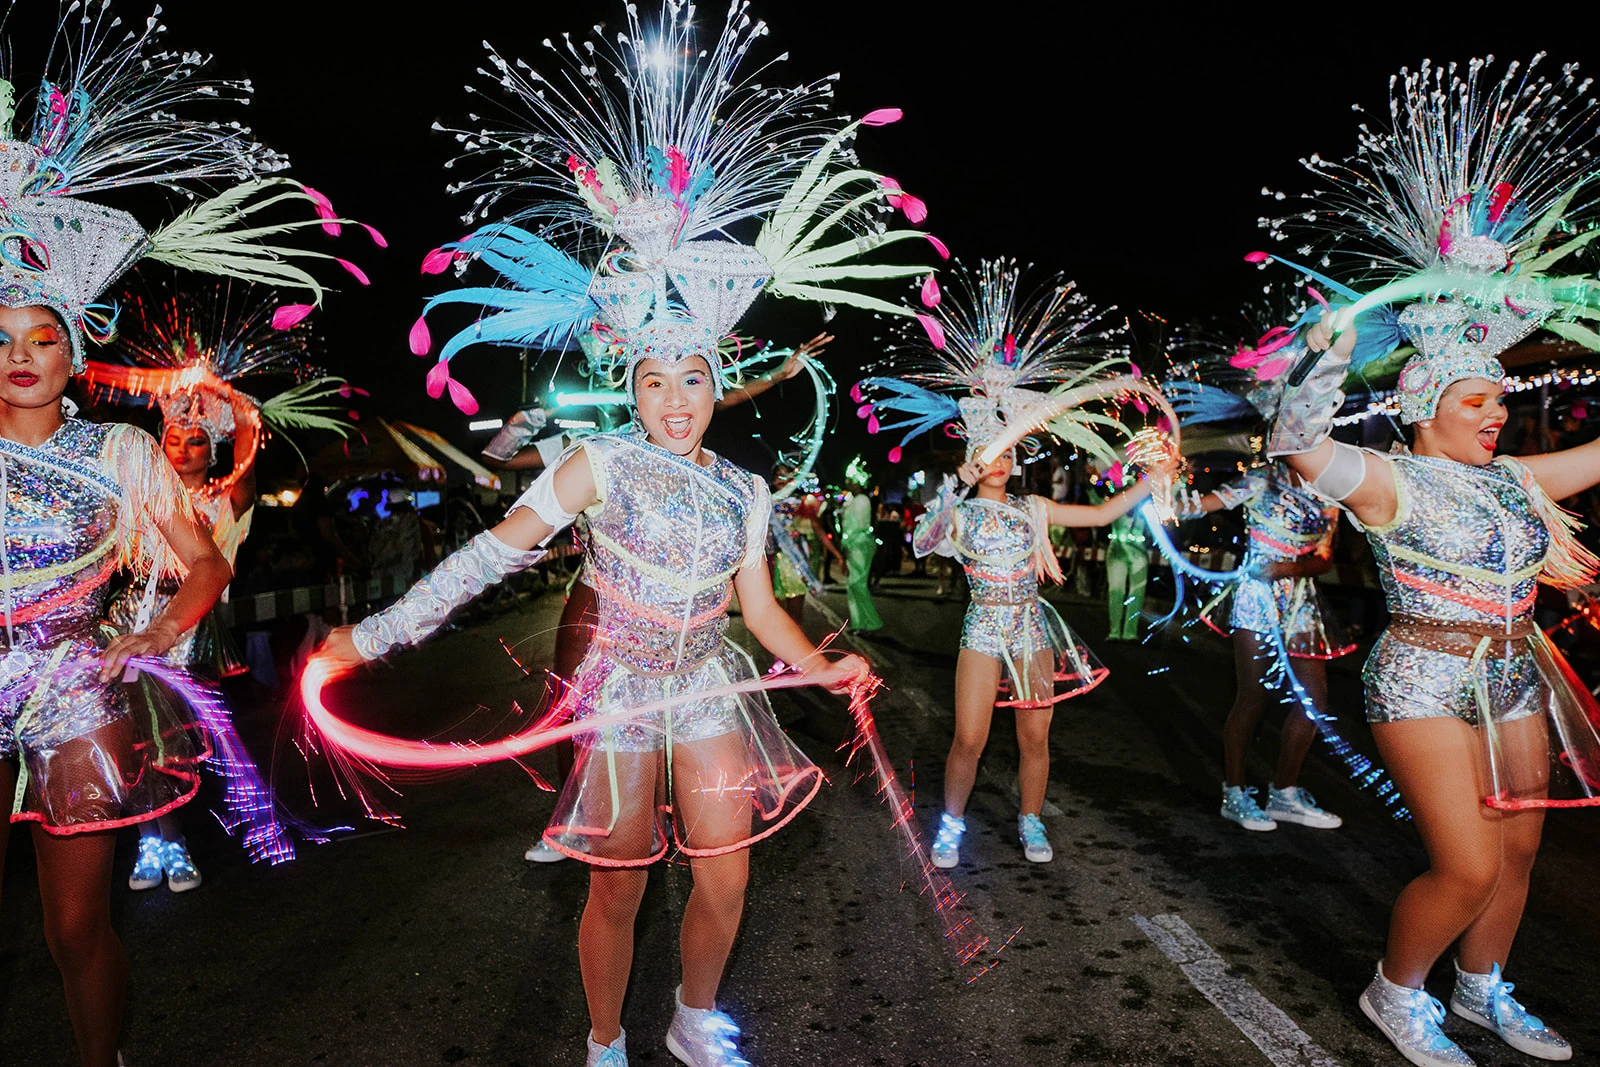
{"points": [[540, 498], [1344, 473]]}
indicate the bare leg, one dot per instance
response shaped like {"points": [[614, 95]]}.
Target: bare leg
{"points": [[1033, 762], [977, 683], [1251, 659], [1438, 765], [711, 818], [75, 886], [1525, 744], [1299, 732]]}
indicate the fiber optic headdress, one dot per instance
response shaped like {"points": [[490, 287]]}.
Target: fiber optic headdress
{"points": [[1467, 198], [105, 116], [640, 156], [987, 353], [189, 351]]}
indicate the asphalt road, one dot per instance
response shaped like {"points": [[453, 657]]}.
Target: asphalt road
{"points": [[1160, 934]]}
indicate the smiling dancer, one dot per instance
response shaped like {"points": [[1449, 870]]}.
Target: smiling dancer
{"points": [[1015, 649], [1473, 710], [673, 530]]}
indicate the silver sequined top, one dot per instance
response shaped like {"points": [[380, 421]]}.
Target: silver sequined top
{"points": [[1466, 543], [996, 542], [1286, 522], [665, 541]]}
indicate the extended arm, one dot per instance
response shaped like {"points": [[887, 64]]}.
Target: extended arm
{"points": [[1101, 514], [791, 366], [1302, 435], [782, 636], [246, 440], [1568, 472]]}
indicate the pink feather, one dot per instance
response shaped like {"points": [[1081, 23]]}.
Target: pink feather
{"points": [[291, 315], [1312, 292], [360, 275], [438, 376], [855, 393], [420, 339], [438, 261], [377, 238], [863, 411], [872, 423], [935, 331], [889, 184], [325, 211], [1257, 257], [462, 397], [930, 292], [1272, 368], [679, 180], [894, 454], [938, 246], [914, 207], [883, 116]]}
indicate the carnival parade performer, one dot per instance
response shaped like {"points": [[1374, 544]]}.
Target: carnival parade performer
{"points": [[185, 350], [1473, 710], [860, 545], [795, 526], [79, 500], [654, 166], [1015, 650], [1127, 568]]}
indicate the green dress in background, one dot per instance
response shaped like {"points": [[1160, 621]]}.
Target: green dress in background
{"points": [[859, 548]]}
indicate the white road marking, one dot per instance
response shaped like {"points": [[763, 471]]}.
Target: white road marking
{"points": [[1273, 1032]]}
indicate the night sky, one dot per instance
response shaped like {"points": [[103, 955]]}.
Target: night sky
{"points": [[1122, 144]]}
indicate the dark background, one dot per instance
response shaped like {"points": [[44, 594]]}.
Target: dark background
{"points": [[1124, 144]]}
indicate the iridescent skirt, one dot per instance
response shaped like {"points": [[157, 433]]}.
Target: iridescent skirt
{"points": [[90, 758], [707, 776], [1042, 661], [1296, 607]]}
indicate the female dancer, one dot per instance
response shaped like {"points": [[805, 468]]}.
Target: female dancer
{"points": [[1011, 640], [994, 345], [1466, 697], [673, 527], [794, 527], [860, 545], [1278, 608], [78, 500]]}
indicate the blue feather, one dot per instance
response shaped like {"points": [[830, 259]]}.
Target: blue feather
{"points": [[924, 410], [1196, 403]]}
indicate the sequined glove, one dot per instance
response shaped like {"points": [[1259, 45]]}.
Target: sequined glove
{"points": [[518, 432], [1189, 504], [934, 527], [1305, 416], [466, 573]]}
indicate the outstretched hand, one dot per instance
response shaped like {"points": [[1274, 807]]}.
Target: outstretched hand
{"points": [[839, 676], [340, 649]]}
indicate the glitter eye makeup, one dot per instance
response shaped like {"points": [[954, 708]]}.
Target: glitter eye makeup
{"points": [[5, 338], [44, 335]]}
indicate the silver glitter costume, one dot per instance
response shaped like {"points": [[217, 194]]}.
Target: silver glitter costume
{"points": [[1007, 619], [1286, 525], [75, 509]]}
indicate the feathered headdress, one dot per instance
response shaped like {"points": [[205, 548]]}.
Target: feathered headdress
{"points": [[189, 351], [996, 365], [106, 115], [1467, 198], [633, 161]]}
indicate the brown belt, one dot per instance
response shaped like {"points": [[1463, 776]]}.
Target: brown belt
{"points": [[1460, 638]]}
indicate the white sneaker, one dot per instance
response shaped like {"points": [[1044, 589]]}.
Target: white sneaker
{"points": [[1298, 805], [1035, 845], [1410, 1019], [946, 851], [703, 1037], [182, 875], [540, 852], [612, 1055], [1239, 805]]}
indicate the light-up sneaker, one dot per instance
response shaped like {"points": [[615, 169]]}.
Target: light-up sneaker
{"points": [[182, 875], [1239, 805], [147, 872], [1035, 845], [704, 1037], [1410, 1019], [1298, 805], [1485, 999], [946, 851]]}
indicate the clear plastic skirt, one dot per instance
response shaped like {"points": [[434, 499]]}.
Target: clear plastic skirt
{"points": [[705, 777], [1549, 759], [1296, 606], [214, 654], [94, 756], [1042, 660]]}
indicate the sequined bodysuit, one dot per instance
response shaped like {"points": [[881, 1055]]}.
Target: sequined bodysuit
{"points": [[1287, 524], [1465, 549], [75, 509]]}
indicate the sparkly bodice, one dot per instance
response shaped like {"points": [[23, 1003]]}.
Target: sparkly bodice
{"points": [[60, 521], [1286, 521], [665, 541], [996, 542], [1466, 543]]}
